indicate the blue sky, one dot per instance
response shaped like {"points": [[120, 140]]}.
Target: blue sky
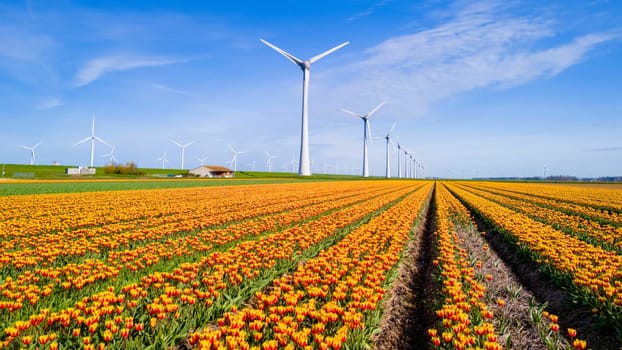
{"points": [[477, 88]]}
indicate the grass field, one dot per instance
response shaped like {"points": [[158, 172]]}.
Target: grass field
{"points": [[52, 179]]}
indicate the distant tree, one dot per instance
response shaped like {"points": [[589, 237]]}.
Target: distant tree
{"points": [[130, 168]]}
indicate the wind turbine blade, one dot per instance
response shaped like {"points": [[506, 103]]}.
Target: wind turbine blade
{"points": [[24, 147], [37, 145], [289, 56], [391, 141], [391, 130], [320, 56], [232, 150], [190, 143], [176, 143], [350, 112], [368, 126], [82, 141], [102, 141], [375, 109]]}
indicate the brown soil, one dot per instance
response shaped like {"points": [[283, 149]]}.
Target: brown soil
{"points": [[520, 271], [408, 311], [512, 321]]}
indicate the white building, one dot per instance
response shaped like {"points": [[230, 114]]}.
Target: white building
{"points": [[212, 171]]}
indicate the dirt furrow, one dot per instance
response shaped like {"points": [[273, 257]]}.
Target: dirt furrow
{"points": [[409, 310]]}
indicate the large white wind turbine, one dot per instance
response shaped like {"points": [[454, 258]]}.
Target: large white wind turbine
{"points": [[269, 162], [304, 168], [163, 159], [110, 155], [183, 149], [366, 134], [93, 138], [389, 140], [234, 160], [32, 151]]}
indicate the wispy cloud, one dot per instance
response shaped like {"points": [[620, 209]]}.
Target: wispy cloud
{"points": [[481, 45], [23, 45], [176, 91], [367, 11], [96, 68], [51, 102], [605, 149]]}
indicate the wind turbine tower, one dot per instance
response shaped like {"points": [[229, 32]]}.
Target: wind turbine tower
{"points": [[234, 160], [163, 159], [32, 151], [388, 138], [406, 175], [183, 149], [366, 134], [269, 162], [304, 168], [93, 138], [399, 149]]}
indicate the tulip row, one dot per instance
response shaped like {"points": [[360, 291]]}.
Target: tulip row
{"points": [[327, 300], [34, 285], [465, 319], [594, 273], [159, 307], [604, 235], [44, 232], [598, 204]]}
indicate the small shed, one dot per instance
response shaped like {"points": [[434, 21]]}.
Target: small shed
{"points": [[82, 170], [212, 171]]}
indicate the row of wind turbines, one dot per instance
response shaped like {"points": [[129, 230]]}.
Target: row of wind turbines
{"points": [[269, 157], [410, 168], [112, 158], [411, 165]]}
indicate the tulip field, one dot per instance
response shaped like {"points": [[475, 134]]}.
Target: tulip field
{"points": [[310, 265]]}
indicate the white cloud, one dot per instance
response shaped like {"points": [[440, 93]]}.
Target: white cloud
{"points": [[96, 68], [177, 91], [368, 11], [51, 102], [478, 46]]}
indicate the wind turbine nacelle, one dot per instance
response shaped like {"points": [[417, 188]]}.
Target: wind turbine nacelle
{"points": [[306, 65]]}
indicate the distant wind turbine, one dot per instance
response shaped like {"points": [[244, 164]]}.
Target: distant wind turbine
{"points": [[202, 160], [366, 134], [406, 175], [388, 138], [163, 159], [183, 149], [93, 138], [269, 162], [110, 155], [234, 160], [252, 165], [399, 149], [293, 163], [32, 151], [304, 164]]}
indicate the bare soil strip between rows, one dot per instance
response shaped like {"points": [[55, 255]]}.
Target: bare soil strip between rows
{"points": [[543, 287], [408, 310]]}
